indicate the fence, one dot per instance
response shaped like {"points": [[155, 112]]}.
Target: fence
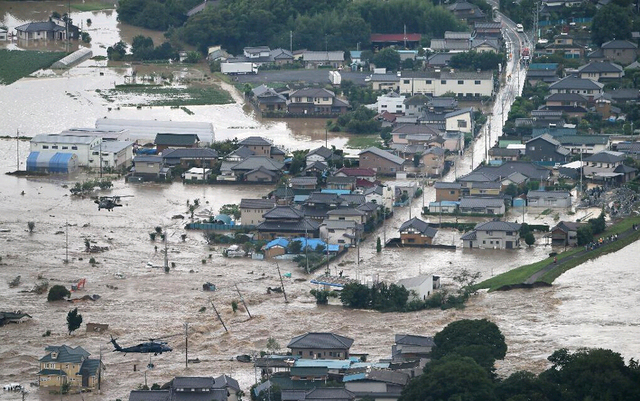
{"points": [[218, 227]]}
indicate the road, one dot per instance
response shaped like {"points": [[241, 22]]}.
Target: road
{"points": [[314, 76]]}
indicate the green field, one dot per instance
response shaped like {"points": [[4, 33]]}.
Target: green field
{"points": [[364, 141], [15, 64], [154, 95], [92, 6]]}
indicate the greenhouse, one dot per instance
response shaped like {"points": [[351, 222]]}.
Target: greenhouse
{"points": [[50, 162]]}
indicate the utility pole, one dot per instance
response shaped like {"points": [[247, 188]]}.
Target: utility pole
{"points": [[18, 149], [242, 299], [384, 219], [326, 137], [99, 370], [306, 246], [291, 41], [66, 241], [166, 258], [219, 317], [186, 345], [100, 158], [282, 283]]}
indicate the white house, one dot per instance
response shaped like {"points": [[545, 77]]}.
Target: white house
{"points": [[470, 84], [460, 120], [80, 145], [553, 199], [421, 286], [115, 154], [381, 195], [321, 154], [197, 174], [340, 232], [391, 102], [493, 234]]}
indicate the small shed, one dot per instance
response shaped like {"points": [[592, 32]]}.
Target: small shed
{"points": [[197, 174]]}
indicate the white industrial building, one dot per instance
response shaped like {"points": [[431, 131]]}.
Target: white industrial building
{"points": [[146, 130], [113, 154], [80, 145]]}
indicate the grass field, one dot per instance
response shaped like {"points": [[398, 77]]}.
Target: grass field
{"points": [[154, 95], [364, 141], [16, 64], [522, 273], [92, 6]]}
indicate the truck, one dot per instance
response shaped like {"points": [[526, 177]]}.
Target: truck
{"points": [[335, 78], [525, 56], [238, 68]]}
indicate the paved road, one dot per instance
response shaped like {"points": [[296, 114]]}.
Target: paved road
{"points": [[314, 76], [551, 266]]}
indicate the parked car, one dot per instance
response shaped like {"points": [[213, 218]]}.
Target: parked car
{"points": [[12, 387]]}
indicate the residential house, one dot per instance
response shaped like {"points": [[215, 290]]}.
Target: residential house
{"points": [[321, 154], [420, 287], [381, 195], [320, 346], [165, 141], [503, 154], [630, 149], [258, 145], [385, 82], [625, 95], [572, 84], [340, 232], [447, 191], [482, 206], [530, 170], [494, 234], [460, 120], [367, 174], [67, 365], [316, 168], [453, 141], [571, 104], [376, 384], [54, 29], [551, 199], [421, 134], [490, 45], [538, 75], [416, 232], [257, 53], [439, 60], [562, 44], [314, 59], [449, 207], [555, 132], [432, 162], [600, 71], [258, 169], [150, 168], [450, 45], [197, 174], [488, 30], [465, 84], [584, 144], [486, 189], [281, 56], [566, 233], [403, 40], [620, 51], [604, 107], [287, 222], [186, 157], [347, 213], [382, 161], [343, 183], [239, 154], [418, 82], [318, 394], [304, 182], [546, 118], [414, 105], [252, 210], [467, 12], [222, 388], [356, 58], [270, 100], [316, 101], [546, 148], [391, 102], [608, 166], [411, 347]]}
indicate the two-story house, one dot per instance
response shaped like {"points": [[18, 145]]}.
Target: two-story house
{"points": [[493, 235], [563, 44], [546, 148], [460, 120], [287, 222], [482, 205], [411, 347], [447, 191], [391, 102], [222, 388], [316, 101], [566, 233], [416, 232], [572, 84], [165, 141], [601, 71], [620, 51], [585, 144], [258, 145], [190, 157], [149, 167], [432, 162], [608, 166], [383, 162], [321, 346], [376, 384], [251, 210], [66, 365]]}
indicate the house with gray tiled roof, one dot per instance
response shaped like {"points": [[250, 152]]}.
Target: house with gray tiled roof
{"points": [[286, 222], [251, 210], [382, 161], [64, 364], [545, 148], [316, 101], [482, 205], [572, 84], [377, 384], [190, 388], [493, 234], [411, 347], [190, 157], [416, 232], [54, 29], [320, 58], [600, 70], [318, 394], [164, 141], [549, 199], [620, 51], [320, 346]]}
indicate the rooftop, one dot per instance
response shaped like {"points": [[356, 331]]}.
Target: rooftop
{"points": [[321, 341]]}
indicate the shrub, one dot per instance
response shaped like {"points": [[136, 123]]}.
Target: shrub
{"points": [[31, 225], [58, 292]]}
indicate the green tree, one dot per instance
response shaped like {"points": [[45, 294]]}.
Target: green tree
{"points": [[611, 22], [74, 320], [529, 239], [598, 225], [117, 51], [452, 378], [57, 293], [378, 245], [31, 226], [193, 57], [272, 345], [387, 58], [232, 210], [355, 295], [294, 247], [478, 339], [523, 386], [584, 235]]}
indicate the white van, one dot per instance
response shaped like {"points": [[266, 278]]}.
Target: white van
{"points": [[519, 28]]}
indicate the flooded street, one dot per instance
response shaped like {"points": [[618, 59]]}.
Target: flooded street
{"points": [[595, 304]]}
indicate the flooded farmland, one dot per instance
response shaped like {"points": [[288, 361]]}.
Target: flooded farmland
{"points": [[595, 304]]}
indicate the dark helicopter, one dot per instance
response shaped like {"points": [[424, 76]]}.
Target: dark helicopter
{"points": [[153, 346], [109, 202]]}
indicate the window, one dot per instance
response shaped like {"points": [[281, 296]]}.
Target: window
{"points": [[326, 99], [331, 230], [462, 124], [406, 81], [428, 82], [411, 240], [460, 82], [54, 147], [65, 147], [489, 232], [45, 146], [384, 106], [298, 99], [452, 192], [443, 81], [477, 82], [95, 153], [310, 99], [150, 165]]}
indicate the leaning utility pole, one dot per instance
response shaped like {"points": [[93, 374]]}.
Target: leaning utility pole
{"points": [[282, 283], [219, 317], [166, 258], [242, 299]]}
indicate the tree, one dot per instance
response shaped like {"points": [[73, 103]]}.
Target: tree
{"points": [[378, 245], [584, 235], [193, 57], [74, 320], [611, 22], [272, 345], [522, 385], [529, 239], [232, 210], [478, 339], [355, 295], [453, 377], [117, 51], [294, 247], [57, 293], [387, 58], [31, 226]]}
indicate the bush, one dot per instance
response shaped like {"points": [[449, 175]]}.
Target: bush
{"points": [[57, 293], [31, 225]]}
